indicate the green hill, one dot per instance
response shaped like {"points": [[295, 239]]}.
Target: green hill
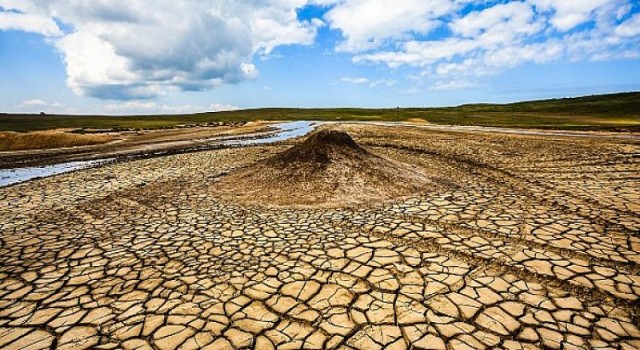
{"points": [[600, 112]]}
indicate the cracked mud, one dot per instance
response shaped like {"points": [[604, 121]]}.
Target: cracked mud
{"points": [[519, 242]]}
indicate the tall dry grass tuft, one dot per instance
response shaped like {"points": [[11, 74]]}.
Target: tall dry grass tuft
{"points": [[15, 141]]}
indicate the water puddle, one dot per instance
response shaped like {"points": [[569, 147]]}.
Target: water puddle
{"points": [[286, 131], [17, 175]]}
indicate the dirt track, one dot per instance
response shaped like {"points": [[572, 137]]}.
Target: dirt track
{"points": [[524, 242]]}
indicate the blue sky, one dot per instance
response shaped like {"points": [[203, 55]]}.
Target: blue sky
{"points": [[175, 56]]}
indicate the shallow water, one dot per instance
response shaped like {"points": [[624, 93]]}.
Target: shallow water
{"points": [[17, 175], [287, 131]]}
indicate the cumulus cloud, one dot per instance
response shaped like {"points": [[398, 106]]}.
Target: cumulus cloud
{"points": [[630, 27], [369, 82], [498, 24], [383, 82], [368, 24], [487, 40], [567, 14], [359, 80], [150, 107], [451, 85], [34, 102], [138, 49], [133, 49], [29, 23], [37, 105]]}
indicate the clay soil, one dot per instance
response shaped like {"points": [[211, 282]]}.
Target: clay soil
{"points": [[116, 144], [492, 242], [328, 169]]}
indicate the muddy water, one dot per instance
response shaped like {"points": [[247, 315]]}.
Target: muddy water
{"points": [[16, 175], [285, 131]]}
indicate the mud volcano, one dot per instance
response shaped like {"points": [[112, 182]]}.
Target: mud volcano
{"points": [[328, 169]]}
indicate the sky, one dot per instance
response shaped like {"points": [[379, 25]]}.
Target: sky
{"points": [[184, 56]]}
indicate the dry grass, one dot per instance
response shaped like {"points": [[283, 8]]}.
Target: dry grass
{"points": [[15, 141], [418, 121]]}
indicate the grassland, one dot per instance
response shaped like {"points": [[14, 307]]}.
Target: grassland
{"points": [[13, 141], [602, 112]]}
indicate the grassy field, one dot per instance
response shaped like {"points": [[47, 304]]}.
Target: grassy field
{"points": [[601, 112]]}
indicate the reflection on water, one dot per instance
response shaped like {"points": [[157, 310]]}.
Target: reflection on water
{"points": [[17, 175], [287, 131], [13, 176]]}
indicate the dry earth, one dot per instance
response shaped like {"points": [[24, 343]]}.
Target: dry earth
{"points": [[121, 143], [519, 242], [328, 169]]}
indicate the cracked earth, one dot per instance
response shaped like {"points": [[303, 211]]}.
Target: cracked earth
{"points": [[519, 242]]}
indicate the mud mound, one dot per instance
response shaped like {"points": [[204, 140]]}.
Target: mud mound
{"points": [[328, 169], [319, 149]]}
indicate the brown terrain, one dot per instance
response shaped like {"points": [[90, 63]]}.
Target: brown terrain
{"points": [[361, 237], [327, 169], [56, 146]]}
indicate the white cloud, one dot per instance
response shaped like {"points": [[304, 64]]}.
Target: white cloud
{"points": [[219, 107], [383, 82], [368, 24], [420, 53], [129, 106], [29, 23], [121, 49], [470, 66], [451, 85], [371, 83], [480, 30], [37, 105], [359, 80], [34, 102], [630, 27], [137, 49], [511, 56], [95, 69], [149, 107], [498, 24], [570, 13], [504, 35]]}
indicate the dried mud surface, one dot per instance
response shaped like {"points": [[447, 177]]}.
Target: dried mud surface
{"points": [[520, 242], [132, 144], [328, 169]]}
